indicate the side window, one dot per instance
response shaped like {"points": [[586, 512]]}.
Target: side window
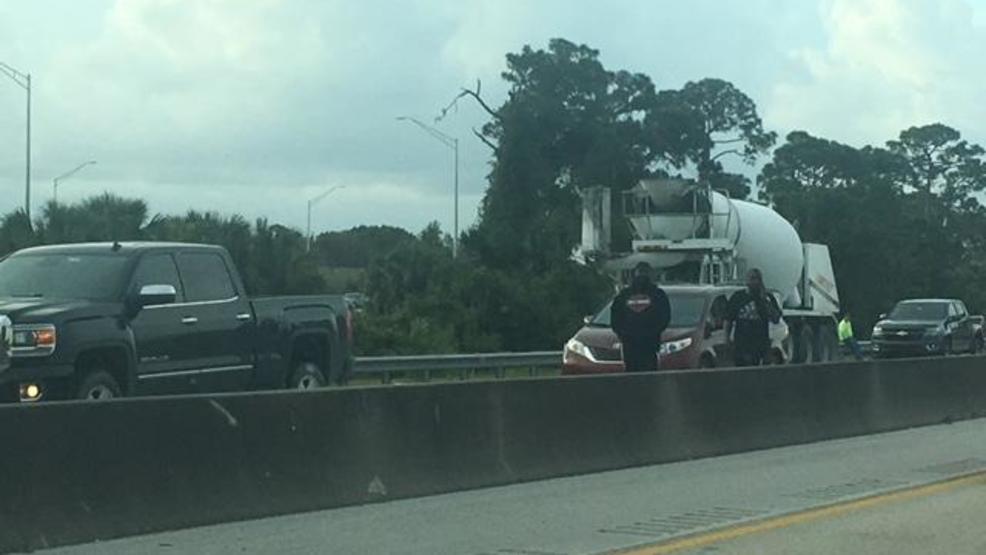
{"points": [[157, 269], [205, 276], [960, 307], [718, 312], [953, 309]]}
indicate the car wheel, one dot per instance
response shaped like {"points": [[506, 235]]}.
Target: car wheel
{"points": [[946, 348], [306, 375], [977, 345], [98, 385], [707, 362]]}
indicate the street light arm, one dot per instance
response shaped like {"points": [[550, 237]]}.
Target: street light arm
{"points": [[74, 171], [317, 199], [22, 79], [438, 135]]}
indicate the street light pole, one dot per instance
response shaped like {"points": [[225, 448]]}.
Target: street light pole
{"points": [[23, 80], [67, 175], [312, 202], [452, 143]]}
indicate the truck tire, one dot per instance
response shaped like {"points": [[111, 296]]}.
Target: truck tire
{"points": [[306, 375], [804, 346], [977, 345], [826, 345], [98, 385]]}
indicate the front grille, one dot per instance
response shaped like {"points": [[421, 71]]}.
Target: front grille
{"points": [[901, 335], [606, 355]]}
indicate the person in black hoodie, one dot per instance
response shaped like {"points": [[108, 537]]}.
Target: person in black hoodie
{"points": [[641, 313], [750, 313]]}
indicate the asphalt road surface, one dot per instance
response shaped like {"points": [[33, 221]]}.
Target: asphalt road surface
{"points": [[867, 494]]}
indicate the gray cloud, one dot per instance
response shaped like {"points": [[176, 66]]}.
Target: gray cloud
{"points": [[254, 106]]}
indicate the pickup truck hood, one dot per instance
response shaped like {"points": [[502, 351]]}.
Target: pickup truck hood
{"points": [[40, 310]]}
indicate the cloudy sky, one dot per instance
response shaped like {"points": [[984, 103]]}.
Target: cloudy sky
{"points": [[255, 106]]}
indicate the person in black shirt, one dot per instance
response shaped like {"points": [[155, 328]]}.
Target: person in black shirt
{"points": [[641, 313], [749, 314]]}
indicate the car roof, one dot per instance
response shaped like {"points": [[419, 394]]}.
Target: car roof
{"points": [[907, 301], [124, 248], [700, 289]]}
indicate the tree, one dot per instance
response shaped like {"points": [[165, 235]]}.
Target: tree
{"points": [[863, 205], [568, 123], [357, 247], [707, 120], [941, 165]]}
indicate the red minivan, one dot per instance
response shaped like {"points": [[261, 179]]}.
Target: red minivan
{"points": [[695, 338]]}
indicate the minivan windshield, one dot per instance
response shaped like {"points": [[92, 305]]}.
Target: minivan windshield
{"points": [[96, 277], [686, 312]]}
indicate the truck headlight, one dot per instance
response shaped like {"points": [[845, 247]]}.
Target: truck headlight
{"points": [[935, 330], [34, 340], [878, 330], [675, 346]]}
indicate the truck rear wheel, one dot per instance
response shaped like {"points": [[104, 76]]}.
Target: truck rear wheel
{"points": [[804, 346], [98, 385], [827, 345], [306, 375]]}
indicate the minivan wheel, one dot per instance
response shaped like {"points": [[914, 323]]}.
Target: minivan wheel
{"points": [[306, 375], [98, 385]]}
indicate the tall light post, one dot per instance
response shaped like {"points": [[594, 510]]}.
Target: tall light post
{"points": [[24, 81], [66, 175], [312, 202], [452, 143]]}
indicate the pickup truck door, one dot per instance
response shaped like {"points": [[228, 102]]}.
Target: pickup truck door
{"points": [[963, 328], [163, 360], [218, 323]]}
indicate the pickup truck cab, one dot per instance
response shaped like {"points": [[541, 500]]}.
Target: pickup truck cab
{"points": [[102, 320], [922, 327]]}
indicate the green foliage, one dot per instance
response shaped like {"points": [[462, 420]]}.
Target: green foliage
{"points": [[271, 259], [357, 247], [900, 222]]}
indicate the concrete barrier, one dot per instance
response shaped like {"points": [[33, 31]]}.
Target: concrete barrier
{"points": [[78, 472]]}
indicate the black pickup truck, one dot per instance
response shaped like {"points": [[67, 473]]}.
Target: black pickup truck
{"points": [[101, 320]]}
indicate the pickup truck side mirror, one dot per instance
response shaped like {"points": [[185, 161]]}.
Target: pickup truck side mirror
{"points": [[587, 320], [882, 316], [150, 295]]}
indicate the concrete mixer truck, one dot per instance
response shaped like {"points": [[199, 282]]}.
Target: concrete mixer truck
{"points": [[701, 243]]}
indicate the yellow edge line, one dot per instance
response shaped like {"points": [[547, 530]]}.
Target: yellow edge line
{"points": [[809, 515]]}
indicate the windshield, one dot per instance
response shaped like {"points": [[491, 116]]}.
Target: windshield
{"points": [[686, 312], [94, 277], [919, 311]]}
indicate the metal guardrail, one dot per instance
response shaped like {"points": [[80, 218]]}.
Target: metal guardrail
{"points": [[466, 365]]}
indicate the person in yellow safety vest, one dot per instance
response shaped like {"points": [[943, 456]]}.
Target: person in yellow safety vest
{"points": [[846, 337]]}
